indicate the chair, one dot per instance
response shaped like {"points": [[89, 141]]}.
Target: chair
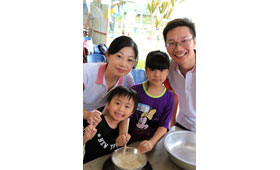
{"points": [[93, 58], [87, 38], [100, 49], [138, 75]]}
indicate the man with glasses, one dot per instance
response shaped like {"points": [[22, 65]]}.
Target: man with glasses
{"points": [[180, 40]]}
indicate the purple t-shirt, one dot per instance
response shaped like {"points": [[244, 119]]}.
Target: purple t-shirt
{"points": [[152, 112]]}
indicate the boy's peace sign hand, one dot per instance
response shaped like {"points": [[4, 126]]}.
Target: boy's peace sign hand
{"points": [[90, 131]]}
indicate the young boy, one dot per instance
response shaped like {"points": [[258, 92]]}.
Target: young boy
{"points": [[121, 103]]}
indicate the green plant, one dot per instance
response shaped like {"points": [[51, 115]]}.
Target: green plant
{"points": [[141, 64], [161, 10]]}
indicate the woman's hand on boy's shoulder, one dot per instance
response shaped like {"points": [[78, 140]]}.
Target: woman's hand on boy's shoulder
{"points": [[122, 139], [94, 117]]}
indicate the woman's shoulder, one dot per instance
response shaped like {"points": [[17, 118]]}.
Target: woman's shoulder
{"points": [[128, 77], [91, 66], [90, 70], [127, 80]]}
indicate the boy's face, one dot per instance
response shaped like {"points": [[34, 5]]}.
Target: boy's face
{"points": [[182, 44], [120, 107], [156, 77]]}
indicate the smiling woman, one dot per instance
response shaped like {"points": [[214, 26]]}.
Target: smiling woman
{"points": [[100, 78]]}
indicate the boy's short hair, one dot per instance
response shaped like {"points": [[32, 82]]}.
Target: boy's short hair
{"points": [[179, 22], [124, 91], [157, 60]]}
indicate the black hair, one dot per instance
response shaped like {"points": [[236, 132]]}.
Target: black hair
{"points": [[179, 22], [157, 60], [124, 91], [121, 42]]}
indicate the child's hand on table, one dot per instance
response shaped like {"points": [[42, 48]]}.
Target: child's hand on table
{"points": [[145, 146]]}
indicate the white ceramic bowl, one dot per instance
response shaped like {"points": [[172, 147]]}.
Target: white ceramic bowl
{"points": [[181, 148]]}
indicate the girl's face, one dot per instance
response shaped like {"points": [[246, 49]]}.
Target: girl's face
{"points": [[156, 77], [120, 107], [121, 62]]}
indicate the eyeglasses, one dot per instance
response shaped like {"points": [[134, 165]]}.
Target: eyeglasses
{"points": [[183, 43]]}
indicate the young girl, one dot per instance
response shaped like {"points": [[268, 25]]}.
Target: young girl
{"points": [[100, 78], [121, 103], [151, 120]]}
